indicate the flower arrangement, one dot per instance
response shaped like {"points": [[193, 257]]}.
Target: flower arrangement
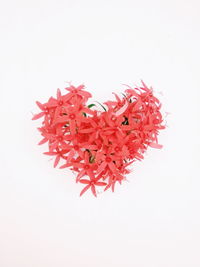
{"points": [[100, 145]]}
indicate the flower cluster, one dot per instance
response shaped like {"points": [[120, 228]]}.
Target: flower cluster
{"points": [[100, 145]]}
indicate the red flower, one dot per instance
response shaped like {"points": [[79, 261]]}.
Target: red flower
{"points": [[78, 91], [77, 148], [59, 154], [100, 145], [44, 108], [91, 184], [59, 102], [107, 163], [74, 116], [112, 181]]}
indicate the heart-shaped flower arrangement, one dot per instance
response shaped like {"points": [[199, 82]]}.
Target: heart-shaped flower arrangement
{"points": [[100, 144]]}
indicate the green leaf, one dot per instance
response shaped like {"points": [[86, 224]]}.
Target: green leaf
{"points": [[91, 105], [101, 105]]}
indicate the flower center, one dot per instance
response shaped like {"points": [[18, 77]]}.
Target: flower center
{"points": [[113, 118], [108, 159], [117, 149], [60, 138], [72, 116], [60, 103], [76, 147], [87, 167], [46, 110]]}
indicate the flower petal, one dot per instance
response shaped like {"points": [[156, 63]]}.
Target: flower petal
{"points": [[58, 94], [101, 167], [100, 183], [41, 106], [84, 181], [56, 161], [44, 140], [93, 190], [155, 145], [84, 189], [37, 116], [72, 126]]}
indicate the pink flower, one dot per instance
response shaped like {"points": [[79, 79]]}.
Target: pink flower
{"points": [[59, 154], [100, 145], [78, 91], [107, 163], [91, 184], [45, 111]]}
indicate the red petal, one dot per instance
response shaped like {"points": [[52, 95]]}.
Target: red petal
{"points": [[50, 153], [37, 116], [113, 186], [84, 189], [112, 167], [84, 181], [91, 174], [53, 145], [52, 102], [81, 174], [155, 145], [100, 183], [88, 130], [41, 106], [93, 190], [107, 187], [122, 109], [58, 94], [85, 94], [44, 140], [117, 97], [72, 126], [77, 165], [101, 167], [65, 165], [56, 161], [63, 119], [70, 155]]}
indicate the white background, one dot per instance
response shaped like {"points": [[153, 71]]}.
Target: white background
{"points": [[151, 221]]}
